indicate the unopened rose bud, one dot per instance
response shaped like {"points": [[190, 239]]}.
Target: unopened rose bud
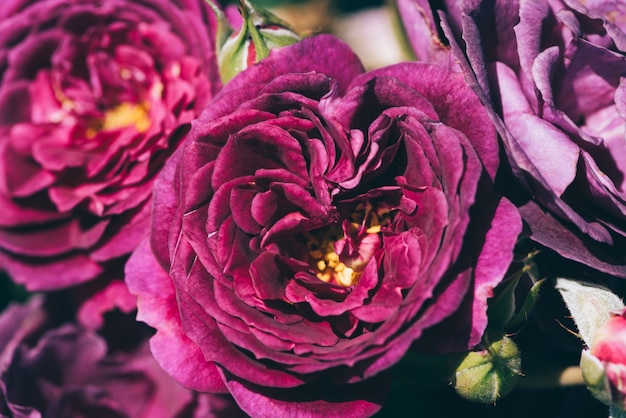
{"points": [[260, 32], [604, 364], [487, 375]]}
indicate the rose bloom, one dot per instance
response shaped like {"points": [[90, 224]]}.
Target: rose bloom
{"points": [[65, 371], [316, 220], [608, 361], [551, 73], [95, 95]]}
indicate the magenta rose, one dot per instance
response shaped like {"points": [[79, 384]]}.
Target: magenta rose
{"points": [[552, 76], [95, 95], [315, 222], [65, 371]]}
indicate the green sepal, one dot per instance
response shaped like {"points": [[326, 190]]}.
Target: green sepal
{"points": [[261, 31], [590, 305], [488, 374], [267, 30], [224, 29], [502, 306], [594, 375], [527, 306]]}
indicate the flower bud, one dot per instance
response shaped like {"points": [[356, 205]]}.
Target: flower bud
{"points": [[604, 364], [487, 375], [260, 32]]}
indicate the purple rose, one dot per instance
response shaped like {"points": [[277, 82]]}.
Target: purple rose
{"points": [[315, 222], [552, 75], [67, 371], [95, 95]]}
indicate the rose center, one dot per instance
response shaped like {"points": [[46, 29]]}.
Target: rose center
{"points": [[324, 260], [122, 116], [339, 253]]}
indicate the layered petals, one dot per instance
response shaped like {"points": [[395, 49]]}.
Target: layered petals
{"points": [[97, 96], [63, 370], [314, 224], [551, 75]]}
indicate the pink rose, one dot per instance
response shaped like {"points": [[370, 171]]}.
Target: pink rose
{"points": [[95, 95], [608, 351]]}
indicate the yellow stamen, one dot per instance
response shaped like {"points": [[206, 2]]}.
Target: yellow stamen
{"points": [[127, 114], [122, 116], [320, 244], [345, 277], [373, 229], [125, 73], [325, 260]]}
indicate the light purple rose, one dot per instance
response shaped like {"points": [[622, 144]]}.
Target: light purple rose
{"points": [[95, 95], [552, 75], [316, 222], [65, 371]]}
